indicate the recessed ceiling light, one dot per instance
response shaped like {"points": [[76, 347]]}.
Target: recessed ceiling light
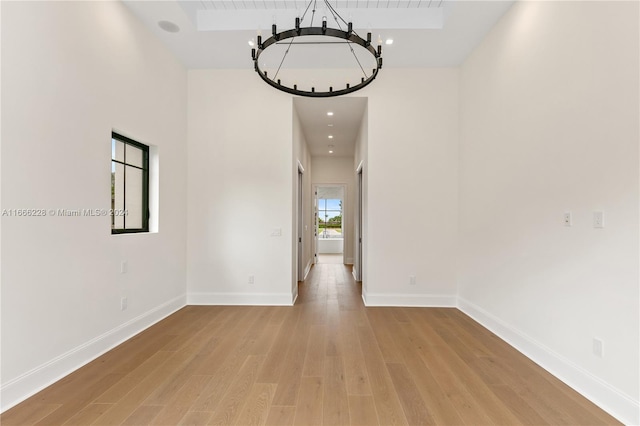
{"points": [[330, 125], [168, 26], [330, 113], [389, 41], [330, 136], [330, 152]]}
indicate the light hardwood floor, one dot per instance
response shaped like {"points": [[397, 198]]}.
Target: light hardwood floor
{"points": [[327, 360]]}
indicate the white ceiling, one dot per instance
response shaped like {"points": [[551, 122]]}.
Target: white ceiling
{"points": [[345, 123], [425, 33]]}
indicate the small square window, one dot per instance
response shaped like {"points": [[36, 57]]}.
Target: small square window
{"points": [[129, 185]]}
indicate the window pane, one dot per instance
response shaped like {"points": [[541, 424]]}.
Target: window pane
{"points": [[133, 198], [117, 150], [117, 193], [134, 156], [333, 204]]}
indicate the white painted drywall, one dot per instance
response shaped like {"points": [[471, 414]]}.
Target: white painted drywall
{"points": [[241, 183], [241, 180], [331, 246], [549, 124], [72, 72], [339, 170], [412, 181], [302, 156], [360, 165]]}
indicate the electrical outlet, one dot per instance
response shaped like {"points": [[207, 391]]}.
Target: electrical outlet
{"points": [[412, 280], [251, 279], [567, 219], [598, 347], [123, 303], [276, 232], [598, 219], [124, 267]]}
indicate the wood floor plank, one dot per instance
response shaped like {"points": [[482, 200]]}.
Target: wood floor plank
{"points": [[274, 364], [228, 410], [116, 415], [309, 406], [440, 406], [170, 415], [379, 319], [362, 411], [314, 358], [414, 407], [85, 395], [193, 388], [518, 406], [28, 413], [387, 403], [196, 418], [326, 360], [357, 379], [143, 415], [122, 387], [281, 416], [456, 352], [332, 341], [291, 376], [468, 408], [88, 414], [257, 405], [336, 405]]}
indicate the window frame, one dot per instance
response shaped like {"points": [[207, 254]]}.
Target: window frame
{"points": [[325, 210], [145, 184]]}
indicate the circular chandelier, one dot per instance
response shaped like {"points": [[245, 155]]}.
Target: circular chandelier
{"points": [[344, 32]]}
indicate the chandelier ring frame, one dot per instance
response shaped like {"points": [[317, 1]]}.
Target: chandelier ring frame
{"points": [[349, 36]]}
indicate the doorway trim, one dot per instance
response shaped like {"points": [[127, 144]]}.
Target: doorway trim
{"points": [[345, 220], [300, 224], [357, 267]]}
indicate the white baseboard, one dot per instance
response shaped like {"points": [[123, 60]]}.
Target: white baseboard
{"points": [[618, 404], [241, 299], [17, 390], [409, 300], [307, 268]]}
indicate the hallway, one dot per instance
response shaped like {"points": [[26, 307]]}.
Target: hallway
{"points": [[327, 360]]}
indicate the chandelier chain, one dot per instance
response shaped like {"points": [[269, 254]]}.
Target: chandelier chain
{"points": [[336, 15], [283, 57]]}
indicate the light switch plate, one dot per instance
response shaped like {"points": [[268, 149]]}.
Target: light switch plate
{"points": [[598, 219]]}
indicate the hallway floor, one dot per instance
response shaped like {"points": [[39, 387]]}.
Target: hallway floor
{"points": [[326, 360]]}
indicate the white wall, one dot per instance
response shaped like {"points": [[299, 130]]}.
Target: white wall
{"points": [[72, 72], [240, 190], [360, 165], [549, 124], [302, 155], [241, 179], [412, 195], [339, 170]]}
